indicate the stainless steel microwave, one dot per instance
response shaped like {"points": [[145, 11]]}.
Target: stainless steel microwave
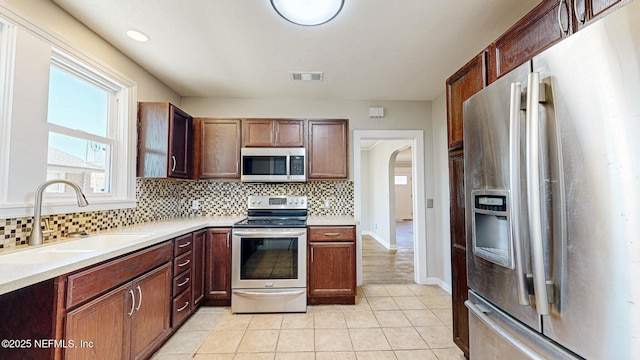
{"points": [[273, 165]]}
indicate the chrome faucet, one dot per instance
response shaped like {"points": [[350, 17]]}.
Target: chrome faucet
{"points": [[36, 232]]}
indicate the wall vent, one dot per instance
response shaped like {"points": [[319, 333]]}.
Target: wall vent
{"points": [[306, 75]]}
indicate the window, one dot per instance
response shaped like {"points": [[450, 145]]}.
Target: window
{"points": [[401, 180], [83, 118]]}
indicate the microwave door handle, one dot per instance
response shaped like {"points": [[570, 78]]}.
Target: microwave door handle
{"points": [[288, 165], [514, 175], [533, 195]]}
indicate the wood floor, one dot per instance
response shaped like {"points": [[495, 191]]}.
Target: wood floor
{"points": [[383, 266]]}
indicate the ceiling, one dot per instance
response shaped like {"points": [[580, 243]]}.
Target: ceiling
{"points": [[373, 50]]}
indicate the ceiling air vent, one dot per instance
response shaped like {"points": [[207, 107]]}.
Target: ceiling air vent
{"points": [[306, 75]]}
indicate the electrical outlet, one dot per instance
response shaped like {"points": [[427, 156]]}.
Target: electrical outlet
{"points": [[430, 203], [327, 203], [195, 204]]}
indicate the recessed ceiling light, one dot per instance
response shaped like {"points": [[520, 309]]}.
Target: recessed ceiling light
{"points": [[308, 12], [137, 35]]}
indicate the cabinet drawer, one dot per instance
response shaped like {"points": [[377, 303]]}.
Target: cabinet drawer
{"points": [[181, 306], [341, 233], [181, 282], [96, 280], [183, 244], [182, 263]]}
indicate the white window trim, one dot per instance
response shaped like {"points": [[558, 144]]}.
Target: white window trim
{"points": [[7, 50], [125, 179]]}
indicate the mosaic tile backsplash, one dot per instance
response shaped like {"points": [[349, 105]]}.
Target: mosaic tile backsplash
{"points": [[163, 199]]}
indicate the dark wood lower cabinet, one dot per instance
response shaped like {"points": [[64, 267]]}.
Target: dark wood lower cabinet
{"points": [[459, 296], [218, 267], [129, 322], [458, 250], [198, 268], [331, 263]]}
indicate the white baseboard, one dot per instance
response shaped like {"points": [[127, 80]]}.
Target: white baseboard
{"points": [[435, 281], [380, 240]]}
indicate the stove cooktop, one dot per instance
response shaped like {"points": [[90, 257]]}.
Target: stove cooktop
{"points": [[271, 223]]}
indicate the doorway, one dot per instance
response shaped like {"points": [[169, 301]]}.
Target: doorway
{"points": [[413, 140], [387, 257]]}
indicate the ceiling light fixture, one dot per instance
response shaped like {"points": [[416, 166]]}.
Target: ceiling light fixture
{"points": [[137, 35], [308, 12]]}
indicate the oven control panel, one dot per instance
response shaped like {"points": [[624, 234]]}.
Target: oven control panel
{"points": [[277, 202]]}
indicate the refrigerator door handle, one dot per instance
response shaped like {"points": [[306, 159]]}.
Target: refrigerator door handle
{"points": [[533, 194], [514, 178]]}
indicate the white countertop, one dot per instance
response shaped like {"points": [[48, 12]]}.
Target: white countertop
{"points": [[329, 220], [14, 276]]}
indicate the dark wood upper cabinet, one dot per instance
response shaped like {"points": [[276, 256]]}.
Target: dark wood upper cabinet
{"points": [[546, 24], [327, 149], [467, 81], [588, 11], [272, 133], [164, 141], [217, 148]]}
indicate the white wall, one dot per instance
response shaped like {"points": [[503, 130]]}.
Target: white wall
{"points": [[49, 16], [41, 25], [441, 178], [380, 175]]}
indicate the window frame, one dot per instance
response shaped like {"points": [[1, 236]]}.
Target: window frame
{"points": [[16, 198], [67, 65], [119, 133]]}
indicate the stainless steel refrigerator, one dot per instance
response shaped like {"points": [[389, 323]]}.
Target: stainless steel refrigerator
{"points": [[552, 192]]}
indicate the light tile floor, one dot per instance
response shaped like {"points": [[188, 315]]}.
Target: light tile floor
{"points": [[388, 322]]}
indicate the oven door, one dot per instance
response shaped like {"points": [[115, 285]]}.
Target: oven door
{"points": [[269, 258]]}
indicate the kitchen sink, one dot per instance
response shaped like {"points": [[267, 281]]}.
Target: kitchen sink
{"points": [[63, 250]]}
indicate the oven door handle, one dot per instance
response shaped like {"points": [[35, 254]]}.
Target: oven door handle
{"points": [[267, 294], [268, 234]]}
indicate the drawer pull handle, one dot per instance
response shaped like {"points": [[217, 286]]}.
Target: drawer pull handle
{"points": [[185, 244], [184, 307], [133, 302], [139, 301], [184, 282], [332, 234], [184, 263]]}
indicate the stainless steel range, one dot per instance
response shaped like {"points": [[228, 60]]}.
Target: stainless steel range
{"points": [[269, 253]]}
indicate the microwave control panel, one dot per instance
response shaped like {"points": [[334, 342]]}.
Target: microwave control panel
{"points": [[296, 165]]}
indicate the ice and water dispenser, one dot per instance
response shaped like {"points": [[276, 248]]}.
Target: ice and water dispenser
{"points": [[492, 226]]}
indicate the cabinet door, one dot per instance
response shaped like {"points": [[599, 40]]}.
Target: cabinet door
{"points": [[543, 26], [258, 133], [218, 264], [289, 133], [197, 270], [587, 11], [459, 296], [328, 149], [458, 250], [331, 269], [219, 143], [467, 81], [151, 320], [179, 143], [105, 322]]}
